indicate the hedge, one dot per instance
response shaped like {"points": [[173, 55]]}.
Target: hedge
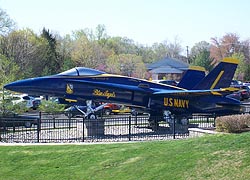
{"points": [[233, 123]]}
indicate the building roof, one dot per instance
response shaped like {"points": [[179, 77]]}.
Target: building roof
{"points": [[168, 62], [165, 70]]}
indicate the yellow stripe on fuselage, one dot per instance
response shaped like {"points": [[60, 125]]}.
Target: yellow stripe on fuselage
{"points": [[71, 100], [216, 80]]}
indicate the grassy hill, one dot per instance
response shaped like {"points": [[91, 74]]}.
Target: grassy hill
{"points": [[210, 157]]}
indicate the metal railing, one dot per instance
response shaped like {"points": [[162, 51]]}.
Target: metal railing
{"points": [[115, 128]]}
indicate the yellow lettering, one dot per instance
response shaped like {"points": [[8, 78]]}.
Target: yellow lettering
{"points": [[171, 102], [107, 94], [178, 103], [165, 101], [182, 103], [187, 103]]}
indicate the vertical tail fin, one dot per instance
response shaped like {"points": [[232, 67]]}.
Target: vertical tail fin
{"points": [[192, 77], [221, 76]]}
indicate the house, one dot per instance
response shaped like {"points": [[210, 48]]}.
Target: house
{"points": [[167, 68]]}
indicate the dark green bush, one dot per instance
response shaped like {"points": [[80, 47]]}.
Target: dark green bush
{"points": [[232, 123]]}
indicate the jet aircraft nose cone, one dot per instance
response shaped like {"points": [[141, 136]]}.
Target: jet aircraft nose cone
{"points": [[17, 86], [35, 86]]}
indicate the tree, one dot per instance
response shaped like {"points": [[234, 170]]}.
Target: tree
{"points": [[203, 59], [52, 62], [200, 55], [8, 107], [242, 67], [231, 46], [101, 35], [64, 49], [113, 64], [198, 48], [121, 45], [126, 64], [25, 49], [86, 53], [51, 107], [146, 52], [167, 49], [160, 50], [224, 47], [8, 71], [6, 23], [174, 49]]}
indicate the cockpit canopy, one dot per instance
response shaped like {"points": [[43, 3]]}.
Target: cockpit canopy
{"points": [[81, 71]]}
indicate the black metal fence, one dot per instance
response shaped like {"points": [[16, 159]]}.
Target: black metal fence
{"points": [[60, 128]]}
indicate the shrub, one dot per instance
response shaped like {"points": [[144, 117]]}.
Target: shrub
{"points": [[233, 123], [51, 107]]}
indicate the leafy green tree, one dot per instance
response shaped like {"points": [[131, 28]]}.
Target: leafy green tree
{"points": [[247, 73], [51, 107], [25, 49], [121, 45], [140, 70], [52, 62], [101, 35], [242, 68], [64, 49], [7, 107], [126, 64], [197, 49], [113, 64], [203, 59], [147, 53], [8, 70], [86, 53]]}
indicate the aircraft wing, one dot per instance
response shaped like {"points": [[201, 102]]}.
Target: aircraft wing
{"points": [[191, 92]]}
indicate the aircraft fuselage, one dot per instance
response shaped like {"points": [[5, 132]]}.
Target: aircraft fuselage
{"points": [[125, 90]]}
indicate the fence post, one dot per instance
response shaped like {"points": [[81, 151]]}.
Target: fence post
{"points": [[173, 126], [54, 122], [135, 119], [83, 129], [69, 122], [214, 116], [39, 126], [129, 128]]}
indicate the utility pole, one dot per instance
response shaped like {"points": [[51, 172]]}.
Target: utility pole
{"points": [[187, 55]]}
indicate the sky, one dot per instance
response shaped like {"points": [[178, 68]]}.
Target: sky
{"points": [[144, 21]]}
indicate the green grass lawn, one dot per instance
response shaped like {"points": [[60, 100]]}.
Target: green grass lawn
{"points": [[209, 157]]}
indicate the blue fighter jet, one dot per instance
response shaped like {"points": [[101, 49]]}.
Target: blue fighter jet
{"points": [[207, 95]]}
